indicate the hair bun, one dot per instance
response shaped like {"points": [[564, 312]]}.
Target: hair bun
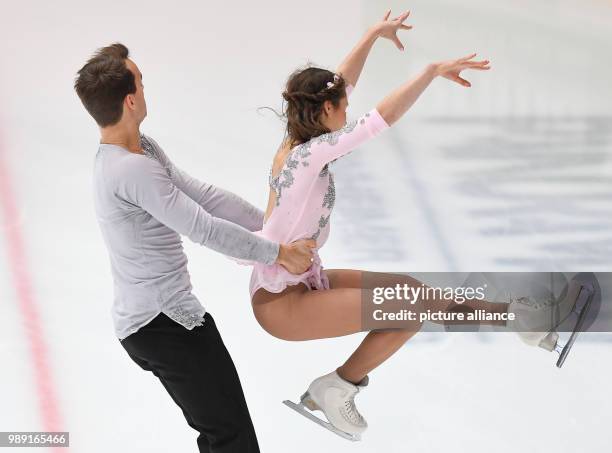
{"points": [[302, 96]]}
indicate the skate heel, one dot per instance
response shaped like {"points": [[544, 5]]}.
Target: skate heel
{"points": [[549, 342], [587, 292], [307, 401]]}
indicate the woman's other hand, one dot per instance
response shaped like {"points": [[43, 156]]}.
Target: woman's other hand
{"points": [[451, 69]]}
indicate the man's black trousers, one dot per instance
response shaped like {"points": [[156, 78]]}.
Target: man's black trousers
{"points": [[197, 371]]}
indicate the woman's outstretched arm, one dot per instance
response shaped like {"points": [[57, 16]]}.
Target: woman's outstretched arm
{"points": [[352, 65], [331, 146], [392, 107]]}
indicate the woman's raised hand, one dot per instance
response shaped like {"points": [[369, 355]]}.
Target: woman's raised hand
{"points": [[452, 68], [388, 28]]}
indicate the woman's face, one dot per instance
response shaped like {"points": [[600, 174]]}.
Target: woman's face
{"points": [[334, 118]]}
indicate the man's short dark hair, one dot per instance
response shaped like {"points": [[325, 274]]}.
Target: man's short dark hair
{"points": [[103, 83]]}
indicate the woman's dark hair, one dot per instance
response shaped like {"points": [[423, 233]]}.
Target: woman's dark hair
{"points": [[306, 91], [103, 83]]}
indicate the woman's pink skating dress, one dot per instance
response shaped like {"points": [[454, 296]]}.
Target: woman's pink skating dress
{"points": [[305, 196]]}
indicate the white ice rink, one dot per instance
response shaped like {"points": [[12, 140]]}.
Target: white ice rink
{"points": [[513, 174]]}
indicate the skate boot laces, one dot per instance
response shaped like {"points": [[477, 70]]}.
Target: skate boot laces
{"points": [[351, 413], [532, 302]]}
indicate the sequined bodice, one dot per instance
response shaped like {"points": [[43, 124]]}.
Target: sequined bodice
{"points": [[320, 201], [304, 191]]}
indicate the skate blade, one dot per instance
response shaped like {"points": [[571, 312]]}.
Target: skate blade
{"points": [[585, 298], [302, 410]]}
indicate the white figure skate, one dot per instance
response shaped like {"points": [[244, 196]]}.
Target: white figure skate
{"points": [[536, 321], [335, 398]]}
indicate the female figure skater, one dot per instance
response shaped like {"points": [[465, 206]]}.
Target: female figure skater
{"points": [[324, 303]]}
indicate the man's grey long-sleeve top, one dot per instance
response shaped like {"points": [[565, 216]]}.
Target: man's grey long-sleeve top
{"points": [[143, 203]]}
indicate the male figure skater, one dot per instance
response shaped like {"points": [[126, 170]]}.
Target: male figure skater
{"points": [[143, 203]]}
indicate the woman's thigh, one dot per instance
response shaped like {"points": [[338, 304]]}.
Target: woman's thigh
{"points": [[312, 314], [344, 278], [355, 278]]}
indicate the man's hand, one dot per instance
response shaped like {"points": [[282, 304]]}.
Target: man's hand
{"points": [[297, 256]]}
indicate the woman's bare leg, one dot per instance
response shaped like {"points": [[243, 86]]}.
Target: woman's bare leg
{"points": [[377, 346], [300, 314]]}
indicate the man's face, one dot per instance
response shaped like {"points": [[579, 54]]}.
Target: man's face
{"points": [[136, 102]]}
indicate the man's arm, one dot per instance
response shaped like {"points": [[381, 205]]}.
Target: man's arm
{"points": [[147, 184], [218, 202]]}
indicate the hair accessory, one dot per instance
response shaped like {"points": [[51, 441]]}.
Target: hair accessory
{"points": [[336, 79]]}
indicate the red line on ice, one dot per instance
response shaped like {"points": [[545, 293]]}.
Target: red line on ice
{"points": [[22, 281]]}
